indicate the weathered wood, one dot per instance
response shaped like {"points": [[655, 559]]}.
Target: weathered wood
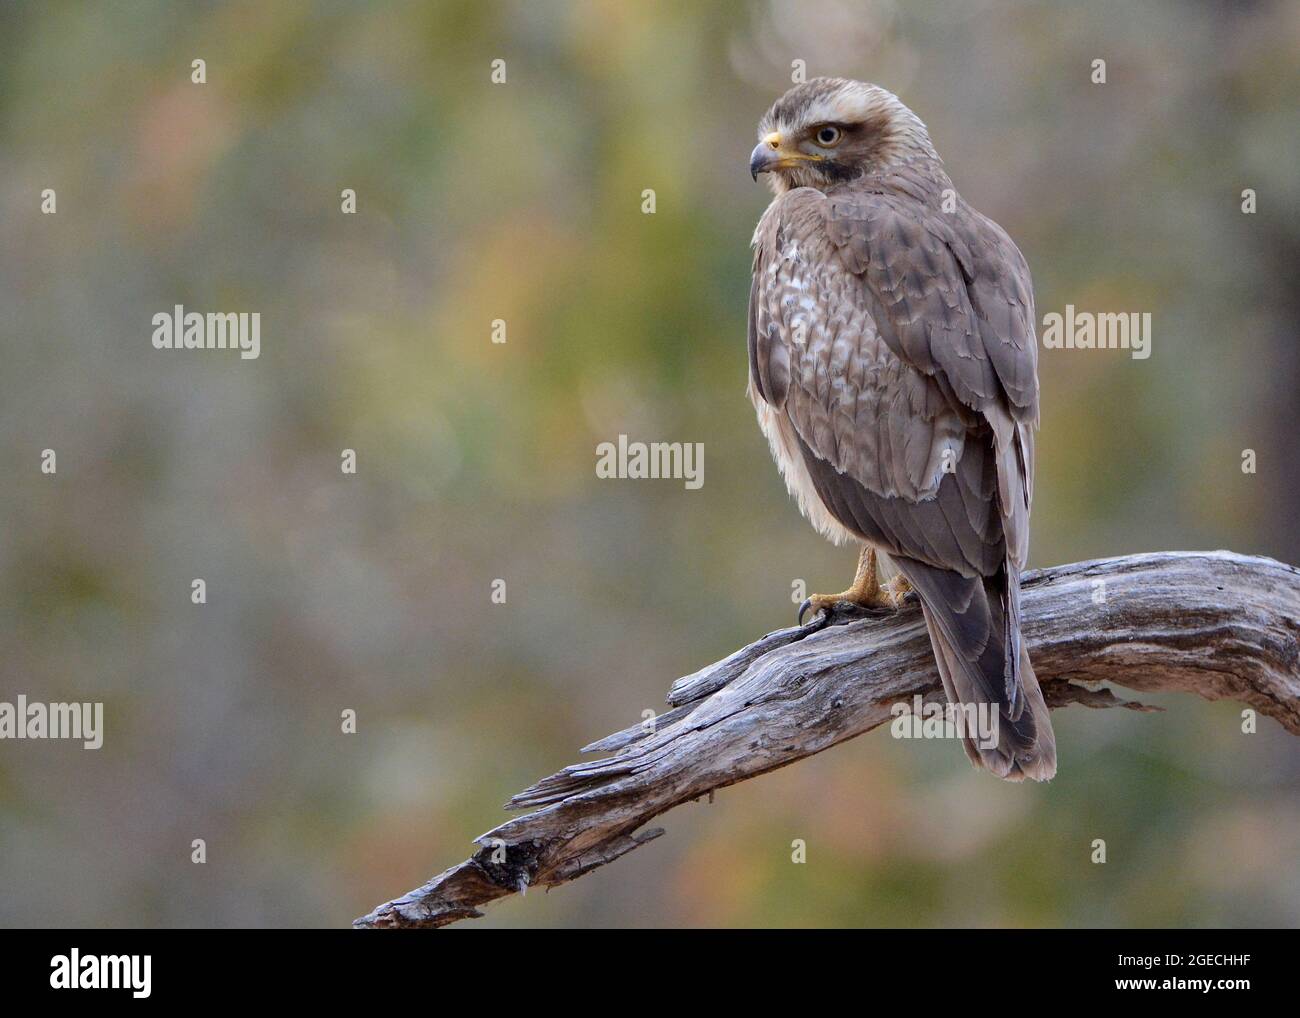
{"points": [[1220, 625]]}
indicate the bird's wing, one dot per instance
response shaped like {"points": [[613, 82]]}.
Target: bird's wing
{"points": [[892, 337], [951, 294], [900, 348]]}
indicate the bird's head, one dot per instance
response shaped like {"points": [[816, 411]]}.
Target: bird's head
{"points": [[829, 130]]}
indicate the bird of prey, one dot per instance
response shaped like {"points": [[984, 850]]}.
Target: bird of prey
{"points": [[893, 367]]}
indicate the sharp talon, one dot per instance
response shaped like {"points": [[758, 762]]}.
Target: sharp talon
{"points": [[804, 608]]}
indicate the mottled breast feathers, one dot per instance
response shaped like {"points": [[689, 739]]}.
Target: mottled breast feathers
{"points": [[890, 336]]}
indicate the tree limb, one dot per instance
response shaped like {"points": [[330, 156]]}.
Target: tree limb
{"points": [[1220, 625]]}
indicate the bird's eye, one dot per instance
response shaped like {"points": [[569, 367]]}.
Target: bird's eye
{"points": [[828, 136]]}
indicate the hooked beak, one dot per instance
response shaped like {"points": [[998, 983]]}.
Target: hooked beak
{"points": [[769, 154]]}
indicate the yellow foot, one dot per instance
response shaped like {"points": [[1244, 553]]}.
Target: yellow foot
{"points": [[819, 603], [896, 590], [866, 591]]}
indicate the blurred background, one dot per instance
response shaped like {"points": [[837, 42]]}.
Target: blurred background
{"points": [[475, 461]]}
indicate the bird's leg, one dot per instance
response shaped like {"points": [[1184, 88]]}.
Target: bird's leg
{"points": [[866, 591]]}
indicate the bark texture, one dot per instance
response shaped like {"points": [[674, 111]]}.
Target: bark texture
{"points": [[1216, 624]]}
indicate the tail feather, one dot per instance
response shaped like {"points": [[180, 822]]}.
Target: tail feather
{"points": [[1026, 747], [974, 626]]}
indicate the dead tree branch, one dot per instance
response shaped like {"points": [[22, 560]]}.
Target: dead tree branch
{"points": [[1220, 625]]}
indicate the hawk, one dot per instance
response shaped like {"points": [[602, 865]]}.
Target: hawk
{"points": [[893, 367]]}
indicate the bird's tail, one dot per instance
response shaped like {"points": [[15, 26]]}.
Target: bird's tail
{"points": [[974, 626]]}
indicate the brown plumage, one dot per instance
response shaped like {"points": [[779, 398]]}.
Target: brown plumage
{"points": [[894, 370]]}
